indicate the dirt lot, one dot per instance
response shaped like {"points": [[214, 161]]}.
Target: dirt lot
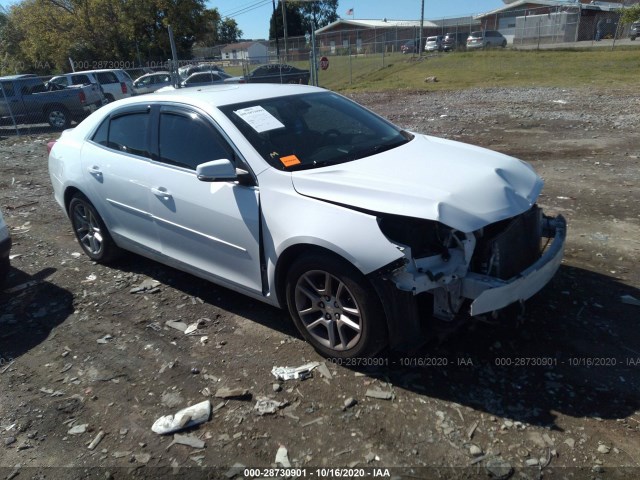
{"points": [[85, 348]]}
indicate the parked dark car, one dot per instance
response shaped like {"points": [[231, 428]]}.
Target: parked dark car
{"points": [[277, 73], [455, 41], [486, 39], [634, 32], [200, 79]]}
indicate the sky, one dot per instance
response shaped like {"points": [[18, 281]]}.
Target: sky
{"points": [[253, 16]]}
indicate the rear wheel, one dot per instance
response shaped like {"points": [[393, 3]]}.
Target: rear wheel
{"points": [[91, 231], [334, 307], [58, 118]]}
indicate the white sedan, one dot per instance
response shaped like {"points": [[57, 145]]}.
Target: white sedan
{"points": [[303, 199]]}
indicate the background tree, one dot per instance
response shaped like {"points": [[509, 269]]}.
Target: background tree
{"points": [[325, 13], [295, 21], [630, 14], [229, 31], [42, 34]]}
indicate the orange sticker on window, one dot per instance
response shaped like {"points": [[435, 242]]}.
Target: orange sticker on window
{"points": [[290, 160]]}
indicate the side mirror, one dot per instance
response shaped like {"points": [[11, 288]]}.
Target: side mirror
{"points": [[216, 171]]}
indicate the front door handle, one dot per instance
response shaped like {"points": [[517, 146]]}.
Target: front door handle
{"points": [[161, 192]]}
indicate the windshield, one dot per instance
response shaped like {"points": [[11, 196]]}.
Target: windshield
{"points": [[313, 130]]}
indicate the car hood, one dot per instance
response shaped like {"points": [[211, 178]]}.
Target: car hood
{"points": [[459, 185]]}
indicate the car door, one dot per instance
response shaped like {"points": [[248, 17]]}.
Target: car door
{"points": [[211, 226], [11, 103], [116, 165]]}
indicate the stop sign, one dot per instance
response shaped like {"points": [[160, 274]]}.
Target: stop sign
{"points": [[324, 63]]}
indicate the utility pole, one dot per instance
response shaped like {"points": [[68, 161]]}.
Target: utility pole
{"points": [[275, 29], [284, 26], [421, 29]]}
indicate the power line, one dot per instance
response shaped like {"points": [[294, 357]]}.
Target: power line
{"points": [[246, 8]]}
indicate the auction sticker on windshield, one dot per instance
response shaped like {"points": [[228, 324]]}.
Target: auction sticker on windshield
{"points": [[259, 119], [290, 160]]}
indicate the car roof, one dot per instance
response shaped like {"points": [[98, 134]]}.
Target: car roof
{"points": [[203, 97]]}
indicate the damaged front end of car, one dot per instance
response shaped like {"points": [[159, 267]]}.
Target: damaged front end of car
{"points": [[452, 275]]}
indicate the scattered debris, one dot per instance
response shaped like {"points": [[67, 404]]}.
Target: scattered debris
{"points": [[194, 328], [277, 387], [147, 286], [171, 399], [472, 430], [282, 457], [532, 462], [311, 422], [104, 339], [94, 443], [379, 394], [349, 402], [187, 417], [188, 440], [235, 470], [370, 457], [570, 442], [78, 429], [177, 325], [498, 468], [431, 79], [232, 393], [142, 457], [324, 371], [475, 450], [266, 405], [290, 373], [602, 448]]}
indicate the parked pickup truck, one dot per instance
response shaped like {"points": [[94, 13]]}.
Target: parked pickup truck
{"points": [[28, 99]]}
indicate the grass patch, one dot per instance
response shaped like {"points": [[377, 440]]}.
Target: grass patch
{"points": [[599, 68]]}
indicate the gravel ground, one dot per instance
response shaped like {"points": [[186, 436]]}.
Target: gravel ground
{"points": [[86, 354]]}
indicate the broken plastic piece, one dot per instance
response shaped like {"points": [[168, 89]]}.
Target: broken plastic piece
{"points": [[289, 373], [185, 418], [282, 457], [266, 405]]}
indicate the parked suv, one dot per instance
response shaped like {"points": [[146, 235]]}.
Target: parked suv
{"points": [[434, 44], [116, 83], [5, 247], [486, 39], [634, 31], [453, 41]]}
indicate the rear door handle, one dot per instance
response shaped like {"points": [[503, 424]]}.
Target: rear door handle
{"points": [[161, 192], [95, 170]]}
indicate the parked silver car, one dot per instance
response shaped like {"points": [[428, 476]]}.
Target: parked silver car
{"points": [[151, 82], [303, 199], [434, 44], [486, 39]]}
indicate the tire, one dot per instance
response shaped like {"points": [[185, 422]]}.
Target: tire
{"points": [[58, 118], [504, 44], [90, 230], [5, 266], [335, 308], [632, 38]]}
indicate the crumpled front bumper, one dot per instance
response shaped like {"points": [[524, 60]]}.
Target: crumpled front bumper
{"points": [[490, 293]]}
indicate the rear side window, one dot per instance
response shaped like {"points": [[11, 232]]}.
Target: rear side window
{"points": [[80, 80], [128, 134], [107, 77], [188, 141], [102, 134]]}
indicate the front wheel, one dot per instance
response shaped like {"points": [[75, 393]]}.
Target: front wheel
{"points": [[91, 231], [58, 118], [334, 307]]}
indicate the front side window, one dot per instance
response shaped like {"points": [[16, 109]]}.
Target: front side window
{"points": [[313, 130], [80, 80], [186, 140], [7, 87]]}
